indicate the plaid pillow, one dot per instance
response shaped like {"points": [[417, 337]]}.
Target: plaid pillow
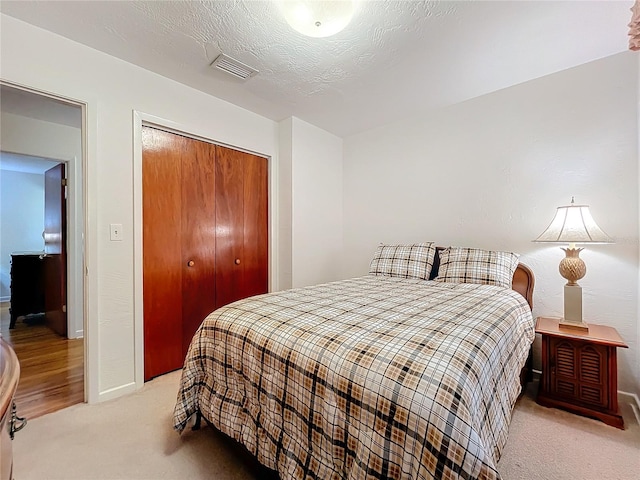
{"points": [[404, 261], [473, 265]]}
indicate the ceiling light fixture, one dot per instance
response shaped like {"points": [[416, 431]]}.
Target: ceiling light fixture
{"points": [[318, 18]]}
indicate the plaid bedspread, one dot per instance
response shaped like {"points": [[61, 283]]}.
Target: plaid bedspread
{"points": [[367, 378]]}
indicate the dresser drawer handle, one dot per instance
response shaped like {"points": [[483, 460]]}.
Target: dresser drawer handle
{"points": [[17, 423]]}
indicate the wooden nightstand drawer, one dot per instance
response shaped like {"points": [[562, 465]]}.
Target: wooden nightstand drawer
{"points": [[579, 370]]}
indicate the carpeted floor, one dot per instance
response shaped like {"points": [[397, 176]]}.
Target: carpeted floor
{"points": [[132, 438]]}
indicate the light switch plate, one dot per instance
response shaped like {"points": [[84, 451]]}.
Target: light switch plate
{"points": [[116, 232]]}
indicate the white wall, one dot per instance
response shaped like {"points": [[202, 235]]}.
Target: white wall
{"points": [[112, 90], [285, 131], [316, 202], [490, 173], [22, 219]]}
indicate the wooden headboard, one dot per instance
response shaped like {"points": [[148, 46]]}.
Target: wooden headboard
{"points": [[523, 279]]}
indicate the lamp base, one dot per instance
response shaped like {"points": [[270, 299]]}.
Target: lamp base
{"points": [[573, 309], [573, 304], [569, 325]]}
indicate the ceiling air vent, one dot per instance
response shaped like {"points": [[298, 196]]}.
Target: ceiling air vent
{"points": [[233, 67]]}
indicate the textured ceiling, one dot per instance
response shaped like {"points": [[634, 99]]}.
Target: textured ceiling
{"points": [[396, 58]]}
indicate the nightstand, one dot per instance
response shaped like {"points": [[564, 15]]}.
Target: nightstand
{"points": [[580, 370]]}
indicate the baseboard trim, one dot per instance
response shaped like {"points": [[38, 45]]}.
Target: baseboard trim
{"points": [[633, 400], [116, 392]]}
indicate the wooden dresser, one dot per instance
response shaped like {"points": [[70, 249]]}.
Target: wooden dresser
{"points": [[27, 284], [9, 376]]}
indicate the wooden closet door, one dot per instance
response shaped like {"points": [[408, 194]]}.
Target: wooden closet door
{"points": [[242, 223], [229, 225], [205, 226], [256, 226], [178, 245], [162, 249], [198, 238]]}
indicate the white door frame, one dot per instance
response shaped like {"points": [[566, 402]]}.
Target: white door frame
{"points": [[77, 246]]}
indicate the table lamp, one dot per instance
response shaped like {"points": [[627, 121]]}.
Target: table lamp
{"points": [[573, 224]]}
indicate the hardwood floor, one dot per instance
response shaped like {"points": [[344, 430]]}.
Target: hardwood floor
{"points": [[51, 367]]}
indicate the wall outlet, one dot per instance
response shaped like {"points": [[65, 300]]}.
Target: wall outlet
{"points": [[116, 232]]}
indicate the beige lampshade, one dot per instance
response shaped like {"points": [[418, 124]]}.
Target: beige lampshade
{"points": [[573, 224]]}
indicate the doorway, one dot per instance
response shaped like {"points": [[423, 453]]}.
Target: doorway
{"points": [[43, 136]]}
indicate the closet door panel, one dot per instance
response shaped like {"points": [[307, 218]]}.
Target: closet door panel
{"points": [[161, 244], [198, 237], [256, 226], [229, 225]]}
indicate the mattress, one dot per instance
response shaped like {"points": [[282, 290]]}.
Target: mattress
{"points": [[368, 378]]}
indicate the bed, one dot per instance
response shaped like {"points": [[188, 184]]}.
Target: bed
{"points": [[402, 373]]}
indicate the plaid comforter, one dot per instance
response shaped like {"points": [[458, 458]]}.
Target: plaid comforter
{"points": [[372, 377]]}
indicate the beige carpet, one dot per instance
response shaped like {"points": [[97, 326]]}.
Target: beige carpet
{"points": [[132, 438]]}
